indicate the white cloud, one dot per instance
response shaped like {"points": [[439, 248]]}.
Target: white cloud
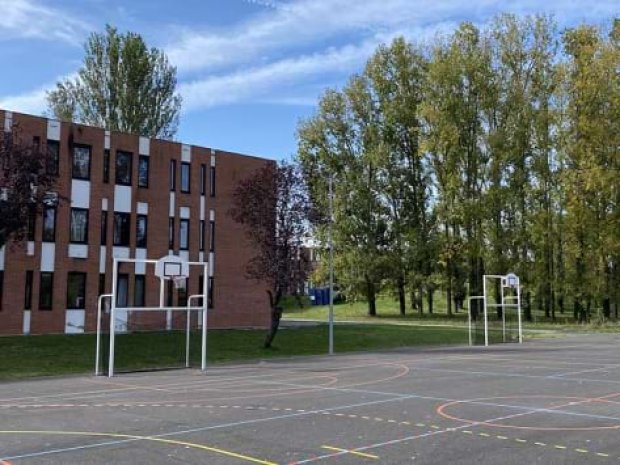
{"points": [[29, 102], [30, 19]]}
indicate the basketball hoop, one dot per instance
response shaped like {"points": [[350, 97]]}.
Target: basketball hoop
{"points": [[179, 282], [512, 280]]}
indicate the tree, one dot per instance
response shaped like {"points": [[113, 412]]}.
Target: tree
{"points": [[273, 206], [122, 86], [27, 173]]}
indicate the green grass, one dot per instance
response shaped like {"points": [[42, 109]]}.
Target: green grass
{"points": [[29, 356]]}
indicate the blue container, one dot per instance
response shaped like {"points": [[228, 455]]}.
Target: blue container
{"points": [[312, 293]]}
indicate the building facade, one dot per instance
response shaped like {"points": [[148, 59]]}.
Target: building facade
{"points": [[121, 195]]}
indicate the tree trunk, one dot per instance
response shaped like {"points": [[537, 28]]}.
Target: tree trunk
{"points": [[429, 297], [276, 316], [449, 297], [420, 300], [372, 298], [401, 295]]}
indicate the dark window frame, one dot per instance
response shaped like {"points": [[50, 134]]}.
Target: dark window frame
{"points": [[52, 164], [171, 233], [104, 227], [186, 168], [122, 242], [81, 210], [82, 275], [32, 224], [211, 236], [141, 160], [43, 305], [122, 276], [90, 159], [44, 236], [106, 166], [212, 181], [101, 288], [142, 242], [201, 236], [142, 301], [181, 222], [210, 293], [28, 290], [129, 155], [172, 176], [203, 179]]}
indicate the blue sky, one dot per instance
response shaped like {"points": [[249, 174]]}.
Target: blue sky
{"points": [[248, 70]]}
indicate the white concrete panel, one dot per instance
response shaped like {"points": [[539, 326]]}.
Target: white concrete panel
{"points": [[78, 250], [30, 248], [186, 153], [26, 322], [122, 199], [202, 207], [169, 320], [53, 129], [201, 256], [145, 146], [184, 213], [80, 193], [184, 254], [2, 257], [8, 121], [143, 208], [212, 158], [74, 321], [48, 256], [107, 140], [140, 267], [104, 205], [120, 252], [121, 321], [211, 263], [172, 200], [211, 215], [102, 257]]}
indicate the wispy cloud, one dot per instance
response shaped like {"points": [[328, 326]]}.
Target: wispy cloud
{"points": [[31, 19]]}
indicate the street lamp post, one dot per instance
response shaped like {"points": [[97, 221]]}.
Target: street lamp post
{"points": [[331, 265]]}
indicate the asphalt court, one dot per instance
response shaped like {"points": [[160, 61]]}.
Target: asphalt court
{"points": [[553, 401]]}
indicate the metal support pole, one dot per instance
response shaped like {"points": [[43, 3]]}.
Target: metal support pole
{"points": [[331, 265], [501, 287], [113, 318], [484, 304], [519, 310], [98, 348], [205, 307], [469, 317]]}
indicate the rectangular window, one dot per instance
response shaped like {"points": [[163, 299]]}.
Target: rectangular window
{"points": [[122, 290], [106, 166], [141, 230], [203, 179], [143, 171], [182, 295], [173, 175], [184, 234], [53, 157], [76, 290], [201, 236], [49, 224], [169, 293], [211, 236], [123, 168], [104, 227], [185, 176], [171, 233], [121, 229], [138, 292], [32, 221], [101, 283], [46, 290], [79, 226], [28, 291], [210, 294], [81, 162], [212, 181]]}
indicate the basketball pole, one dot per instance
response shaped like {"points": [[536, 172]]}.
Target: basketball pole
{"points": [[331, 265]]}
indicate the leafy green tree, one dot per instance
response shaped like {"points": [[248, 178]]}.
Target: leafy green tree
{"points": [[122, 86]]}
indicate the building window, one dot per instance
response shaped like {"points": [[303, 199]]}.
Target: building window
{"points": [[171, 233], [32, 221], [46, 290], [201, 236], [169, 293], [139, 291], [76, 290], [53, 157], [203, 179], [212, 181], [121, 229], [210, 294], [104, 227], [141, 230], [182, 295], [123, 168], [106, 166], [143, 171], [211, 236], [101, 283], [28, 291], [49, 224], [173, 175], [81, 162], [79, 226], [185, 175], [122, 290], [184, 234]]}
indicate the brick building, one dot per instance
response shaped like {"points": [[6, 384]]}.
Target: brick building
{"points": [[126, 196]]}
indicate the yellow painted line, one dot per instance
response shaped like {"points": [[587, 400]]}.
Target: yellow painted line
{"points": [[435, 427], [354, 452], [405, 423], [468, 432], [540, 443], [501, 437], [520, 440], [583, 451], [484, 435], [600, 454], [192, 445], [557, 446]]}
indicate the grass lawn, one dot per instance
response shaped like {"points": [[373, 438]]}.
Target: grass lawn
{"points": [[28, 356]]}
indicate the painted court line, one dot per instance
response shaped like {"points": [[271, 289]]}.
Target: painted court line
{"points": [[353, 452]]}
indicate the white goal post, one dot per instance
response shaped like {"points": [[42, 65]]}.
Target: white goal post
{"points": [[168, 268], [507, 302]]}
